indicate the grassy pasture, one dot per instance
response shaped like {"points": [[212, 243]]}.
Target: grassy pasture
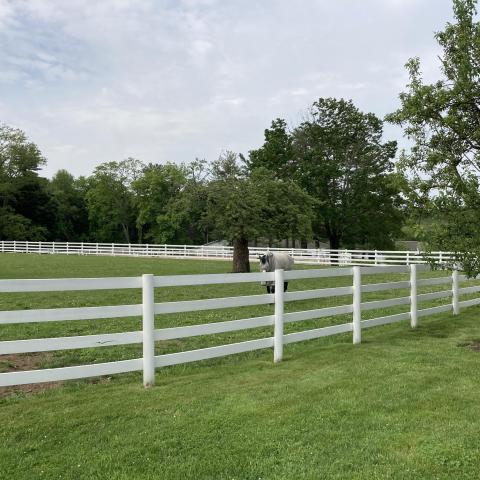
{"points": [[403, 404]]}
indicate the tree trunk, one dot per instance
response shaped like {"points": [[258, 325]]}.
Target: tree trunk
{"points": [[241, 262], [126, 233], [334, 245], [334, 242], [303, 243], [333, 236]]}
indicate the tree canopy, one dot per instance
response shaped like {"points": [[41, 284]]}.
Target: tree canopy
{"points": [[443, 120], [154, 190], [243, 205], [110, 200], [26, 209], [71, 215], [338, 157]]}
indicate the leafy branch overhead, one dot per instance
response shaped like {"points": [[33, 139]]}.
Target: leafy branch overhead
{"points": [[337, 156], [443, 121]]}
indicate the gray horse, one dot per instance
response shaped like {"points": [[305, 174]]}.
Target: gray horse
{"points": [[270, 262]]}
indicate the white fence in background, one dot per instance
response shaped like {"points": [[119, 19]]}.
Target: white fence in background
{"points": [[212, 252], [148, 309]]}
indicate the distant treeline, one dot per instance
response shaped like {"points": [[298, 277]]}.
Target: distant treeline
{"points": [[329, 177]]}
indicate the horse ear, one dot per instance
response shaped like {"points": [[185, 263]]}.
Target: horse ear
{"points": [[270, 254]]}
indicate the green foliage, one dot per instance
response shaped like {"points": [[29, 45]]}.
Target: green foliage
{"points": [[244, 205], [443, 120], [13, 225], [184, 220], [71, 209], [154, 190], [18, 156], [342, 162], [26, 208], [277, 153], [338, 157], [110, 200]]}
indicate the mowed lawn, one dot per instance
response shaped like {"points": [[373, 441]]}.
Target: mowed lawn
{"points": [[403, 404]]}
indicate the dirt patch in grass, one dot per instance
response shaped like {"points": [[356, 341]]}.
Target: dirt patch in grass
{"points": [[16, 363], [471, 344]]}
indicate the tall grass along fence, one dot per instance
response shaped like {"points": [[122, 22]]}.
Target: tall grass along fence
{"points": [[212, 252], [148, 309]]}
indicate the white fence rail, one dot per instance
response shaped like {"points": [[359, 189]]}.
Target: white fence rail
{"points": [[211, 252], [148, 309]]}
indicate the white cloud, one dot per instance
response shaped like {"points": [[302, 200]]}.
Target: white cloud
{"points": [[6, 13], [298, 91]]}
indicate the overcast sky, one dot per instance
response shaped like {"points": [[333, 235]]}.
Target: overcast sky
{"points": [[92, 81]]}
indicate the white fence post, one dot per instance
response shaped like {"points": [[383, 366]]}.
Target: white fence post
{"points": [[148, 329], [357, 307], [413, 297], [278, 333], [455, 294]]}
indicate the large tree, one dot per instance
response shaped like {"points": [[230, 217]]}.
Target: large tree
{"points": [[443, 120], [185, 220], [154, 190], [343, 163], [71, 219], [26, 207], [277, 153], [243, 206], [110, 200]]}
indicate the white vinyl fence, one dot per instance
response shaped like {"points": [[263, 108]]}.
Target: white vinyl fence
{"points": [[148, 309], [213, 252]]}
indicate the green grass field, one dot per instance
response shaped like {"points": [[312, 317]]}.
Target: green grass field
{"points": [[403, 404]]}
